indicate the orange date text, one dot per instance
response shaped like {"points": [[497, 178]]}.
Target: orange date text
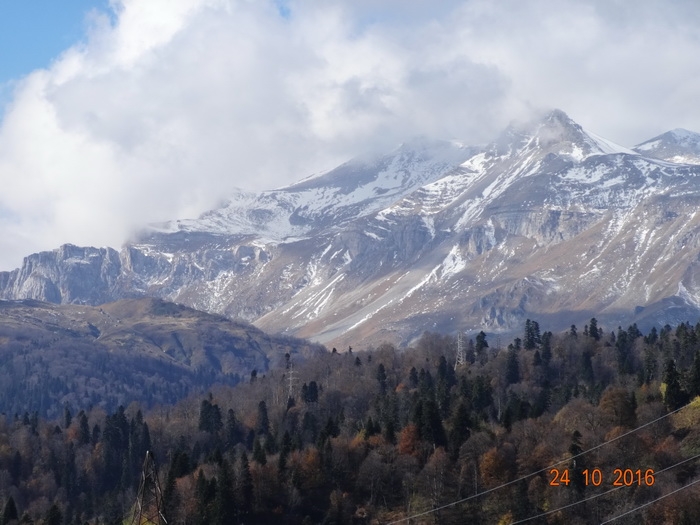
{"points": [[594, 477]]}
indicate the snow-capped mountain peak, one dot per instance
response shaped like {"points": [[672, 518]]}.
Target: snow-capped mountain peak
{"points": [[549, 220], [359, 187], [555, 133], [679, 146]]}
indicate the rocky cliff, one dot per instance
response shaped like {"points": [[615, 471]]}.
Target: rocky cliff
{"points": [[548, 221]]}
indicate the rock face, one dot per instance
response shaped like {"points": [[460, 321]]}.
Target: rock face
{"points": [[548, 222]]}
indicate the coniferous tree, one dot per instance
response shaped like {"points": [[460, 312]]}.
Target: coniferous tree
{"points": [[259, 454], [54, 516], [593, 329], [547, 348], [674, 397], [246, 485], [532, 335], [577, 465], [381, 378], [285, 450], [210, 417], [84, 429], [263, 425], [9, 513], [459, 432], [413, 377], [694, 379], [224, 510], [512, 367]]}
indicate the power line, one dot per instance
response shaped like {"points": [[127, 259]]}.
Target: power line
{"points": [[652, 501], [463, 500], [598, 495]]}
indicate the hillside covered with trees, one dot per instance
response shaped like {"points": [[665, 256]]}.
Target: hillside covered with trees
{"points": [[572, 428]]}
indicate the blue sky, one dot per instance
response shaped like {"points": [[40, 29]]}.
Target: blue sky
{"points": [[170, 105], [34, 32]]}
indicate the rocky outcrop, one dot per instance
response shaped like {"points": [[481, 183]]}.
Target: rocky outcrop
{"points": [[548, 221]]}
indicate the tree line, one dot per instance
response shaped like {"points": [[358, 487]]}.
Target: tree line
{"points": [[382, 434]]}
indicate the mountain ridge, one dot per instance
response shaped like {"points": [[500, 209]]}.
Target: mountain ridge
{"points": [[548, 220]]}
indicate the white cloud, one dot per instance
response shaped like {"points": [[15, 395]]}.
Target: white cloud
{"points": [[169, 104]]}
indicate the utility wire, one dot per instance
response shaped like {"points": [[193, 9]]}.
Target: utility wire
{"points": [[652, 501], [463, 500], [599, 495]]}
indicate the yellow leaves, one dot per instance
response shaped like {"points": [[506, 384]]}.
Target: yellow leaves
{"points": [[689, 417]]}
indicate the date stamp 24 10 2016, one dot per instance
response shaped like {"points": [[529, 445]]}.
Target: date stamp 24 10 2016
{"points": [[620, 478]]}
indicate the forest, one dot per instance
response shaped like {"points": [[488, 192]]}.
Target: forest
{"points": [[580, 427]]}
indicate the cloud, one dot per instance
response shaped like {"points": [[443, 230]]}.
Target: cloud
{"points": [[170, 104]]}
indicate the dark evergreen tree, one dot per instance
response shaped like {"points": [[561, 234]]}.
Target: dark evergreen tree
{"points": [[547, 348], [259, 454], [9, 513], [577, 465], [224, 511], [210, 417], [413, 377], [54, 516], [84, 429], [459, 431], [67, 416], [537, 359], [512, 367], [593, 329], [674, 397], [381, 378], [204, 494], [246, 486], [263, 423], [234, 433], [285, 450], [481, 344], [532, 335], [694, 377]]}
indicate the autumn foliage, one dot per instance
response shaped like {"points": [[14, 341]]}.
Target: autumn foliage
{"points": [[382, 434]]}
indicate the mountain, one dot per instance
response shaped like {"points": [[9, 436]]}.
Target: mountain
{"points": [[134, 349], [549, 221], [678, 146]]}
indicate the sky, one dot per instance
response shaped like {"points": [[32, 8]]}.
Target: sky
{"points": [[115, 114]]}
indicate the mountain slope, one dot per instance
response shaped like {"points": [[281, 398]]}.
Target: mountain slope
{"points": [[136, 349], [678, 146], [549, 221]]}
